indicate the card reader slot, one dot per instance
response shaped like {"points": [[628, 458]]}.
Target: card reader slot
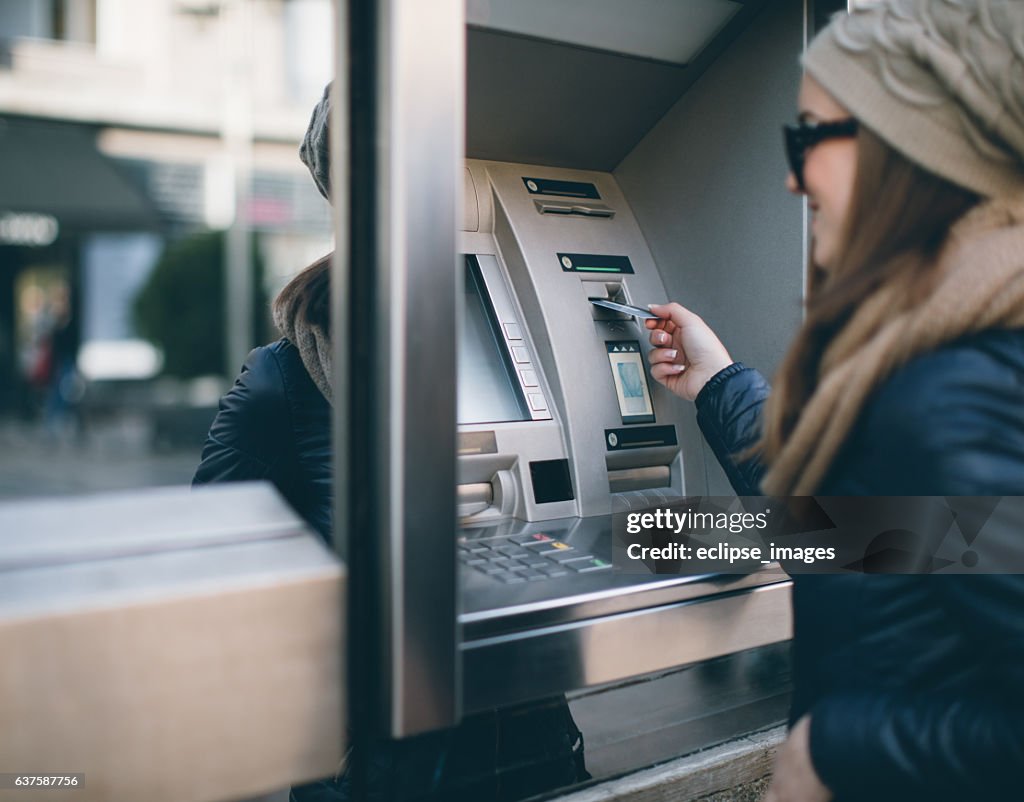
{"points": [[474, 498], [628, 479], [487, 488], [605, 291]]}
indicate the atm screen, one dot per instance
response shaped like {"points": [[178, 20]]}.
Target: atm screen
{"points": [[488, 392], [630, 379]]}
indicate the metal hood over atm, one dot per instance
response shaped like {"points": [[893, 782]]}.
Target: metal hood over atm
{"points": [[542, 88]]}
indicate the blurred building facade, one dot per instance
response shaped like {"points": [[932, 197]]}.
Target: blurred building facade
{"points": [[126, 126]]}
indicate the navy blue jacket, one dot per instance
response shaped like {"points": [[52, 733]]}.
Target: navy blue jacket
{"points": [[275, 424], [915, 684]]}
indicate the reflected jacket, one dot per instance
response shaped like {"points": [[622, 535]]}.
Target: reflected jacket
{"points": [[914, 684], [274, 424]]}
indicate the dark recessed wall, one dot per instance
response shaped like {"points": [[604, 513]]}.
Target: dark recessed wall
{"points": [[707, 186]]}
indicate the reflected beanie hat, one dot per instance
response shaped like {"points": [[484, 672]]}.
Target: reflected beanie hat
{"points": [[941, 81], [315, 150]]}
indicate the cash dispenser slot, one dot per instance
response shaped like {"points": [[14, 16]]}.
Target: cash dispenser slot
{"points": [[640, 458], [646, 469]]}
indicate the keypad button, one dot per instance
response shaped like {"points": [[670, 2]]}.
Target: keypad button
{"points": [[513, 551], [530, 540], [587, 564], [566, 555], [553, 547]]}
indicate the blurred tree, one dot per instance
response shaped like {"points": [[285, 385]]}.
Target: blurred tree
{"points": [[180, 308]]}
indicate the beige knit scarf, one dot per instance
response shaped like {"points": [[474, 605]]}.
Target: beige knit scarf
{"points": [[313, 342], [979, 285]]}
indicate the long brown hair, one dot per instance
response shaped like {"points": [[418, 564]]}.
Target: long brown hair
{"points": [[307, 297], [898, 220]]}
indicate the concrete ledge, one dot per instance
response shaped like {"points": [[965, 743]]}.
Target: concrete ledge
{"points": [[733, 772]]}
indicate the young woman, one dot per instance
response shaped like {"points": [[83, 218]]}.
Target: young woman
{"points": [[907, 378]]}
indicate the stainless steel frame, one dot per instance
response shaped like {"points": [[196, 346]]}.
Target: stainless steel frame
{"points": [[406, 104]]}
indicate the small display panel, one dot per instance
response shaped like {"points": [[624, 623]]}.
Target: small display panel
{"points": [[630, 379], [488, 392]]}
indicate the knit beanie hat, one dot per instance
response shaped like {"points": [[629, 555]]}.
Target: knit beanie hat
{"points": [[941, 81], [315, 150]]}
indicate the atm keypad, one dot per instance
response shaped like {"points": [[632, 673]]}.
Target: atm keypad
{"points": [[527, 558]]}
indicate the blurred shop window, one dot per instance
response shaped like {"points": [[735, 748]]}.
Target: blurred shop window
{"points": [[131, 133], [114, 267], [180, 307], [62, 20]]}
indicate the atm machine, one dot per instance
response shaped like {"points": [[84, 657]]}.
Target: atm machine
{"points": [[497, 420], [560, 427]]}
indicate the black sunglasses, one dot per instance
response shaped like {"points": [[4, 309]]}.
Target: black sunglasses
{"points": [[801, 138]]}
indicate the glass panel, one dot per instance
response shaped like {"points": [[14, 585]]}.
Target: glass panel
{"points": [[152, 206]]}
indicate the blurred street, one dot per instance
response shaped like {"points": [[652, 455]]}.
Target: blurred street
{"points": [[110, 455]]}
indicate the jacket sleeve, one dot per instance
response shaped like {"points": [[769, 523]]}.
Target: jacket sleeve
{"points": [[729, 415], [955, 435], [247, 438]]}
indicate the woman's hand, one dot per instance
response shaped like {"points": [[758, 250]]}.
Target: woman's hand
{"points": [[795, 779], [686, 351]]}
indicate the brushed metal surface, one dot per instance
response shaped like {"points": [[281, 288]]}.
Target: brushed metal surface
{"points": [[421, 175], [543, 661]]}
